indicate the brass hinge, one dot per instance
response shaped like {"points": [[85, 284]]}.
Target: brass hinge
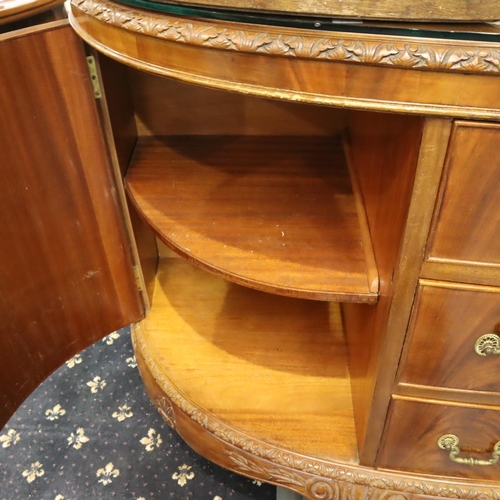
{"points": [[96, 86], [138, 278]]}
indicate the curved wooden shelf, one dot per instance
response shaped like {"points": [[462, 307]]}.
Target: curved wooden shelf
{"points": [[260, 385], [274, 213]]}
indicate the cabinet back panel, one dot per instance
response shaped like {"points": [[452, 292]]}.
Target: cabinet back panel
{"points": [[168, 107]]}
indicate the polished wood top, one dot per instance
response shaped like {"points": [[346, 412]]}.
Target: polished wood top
{"points": [[431, 10]]}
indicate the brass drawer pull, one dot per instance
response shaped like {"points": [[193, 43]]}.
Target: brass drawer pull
{"points": [[449, 442], [487, 344]]}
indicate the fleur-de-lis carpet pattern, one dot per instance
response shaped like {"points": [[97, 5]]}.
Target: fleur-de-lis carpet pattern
{"points": [[90, 432]]}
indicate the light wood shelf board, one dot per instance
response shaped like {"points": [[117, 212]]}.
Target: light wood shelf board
{"points": [[274, 213], [269, 366]]}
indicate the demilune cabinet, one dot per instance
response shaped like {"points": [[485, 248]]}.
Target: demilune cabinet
{"points": [[306, 239]]}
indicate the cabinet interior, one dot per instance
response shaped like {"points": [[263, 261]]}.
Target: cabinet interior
{"points": [[281, 343]]}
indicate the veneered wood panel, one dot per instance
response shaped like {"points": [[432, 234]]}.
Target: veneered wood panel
{"points": [[66, 276], [466, 222], [446, 322], [383, 154], [414, 427]]}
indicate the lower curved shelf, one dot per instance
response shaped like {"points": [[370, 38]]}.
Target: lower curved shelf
{"points": [[259, 384]]}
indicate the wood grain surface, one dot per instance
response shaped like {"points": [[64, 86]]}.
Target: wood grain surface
{"points": [[65, 277], [447, 319], [383, 151], [272, 367], [431, 10], [273, 213], [416, 78], [161, 103], [467, 220], [414, 427]]}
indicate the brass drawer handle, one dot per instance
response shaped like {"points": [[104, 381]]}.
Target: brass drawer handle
{"points": [[449, 442], [487, 345]]}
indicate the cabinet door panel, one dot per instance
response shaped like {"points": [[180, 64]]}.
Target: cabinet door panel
{"points": [[66, 275], [467, 219]]}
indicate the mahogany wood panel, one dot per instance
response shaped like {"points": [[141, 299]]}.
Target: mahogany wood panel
{"points": [[467, 219], [414, 427], [415, 10], [161, 103], [383, 152], [439, 348], [317, 81], [65, 274], [272, 367], [273, 213]]}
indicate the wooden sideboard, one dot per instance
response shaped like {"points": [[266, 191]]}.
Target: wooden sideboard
{"points": [[314, 230]]}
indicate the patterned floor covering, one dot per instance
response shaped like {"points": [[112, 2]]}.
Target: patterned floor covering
{"points": [[91, 432]]}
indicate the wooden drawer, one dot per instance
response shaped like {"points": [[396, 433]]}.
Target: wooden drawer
{"points": [[466, 221], [414, 427], [440, 347]]}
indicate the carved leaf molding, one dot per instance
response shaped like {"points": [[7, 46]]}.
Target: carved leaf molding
{"points": [[397, 53], [166, 410], [290, 460]]}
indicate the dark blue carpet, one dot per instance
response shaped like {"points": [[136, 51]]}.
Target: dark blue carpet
{"points": [[90, 431]]}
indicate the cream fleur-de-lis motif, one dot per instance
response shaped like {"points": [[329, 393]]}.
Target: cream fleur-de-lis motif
{"points": [[131, 362], [151, 440], [55, 413], [96, 384], [183, 475], [59, 497], [123, 413], [11, 438], [107, 473], [34, 471], [77, 438], [75, 360], [111, 338]]}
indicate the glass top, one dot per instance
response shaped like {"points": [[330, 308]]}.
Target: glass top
{"points": [[481, 32]]}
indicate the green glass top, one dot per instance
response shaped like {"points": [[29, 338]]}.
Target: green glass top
{"points": [[481, 32]]}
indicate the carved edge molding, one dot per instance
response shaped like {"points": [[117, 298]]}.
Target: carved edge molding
{"points": [[281, 461], [393, 51]]}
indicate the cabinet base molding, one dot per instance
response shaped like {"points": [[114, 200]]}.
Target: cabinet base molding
{"points": [[254, 458]]}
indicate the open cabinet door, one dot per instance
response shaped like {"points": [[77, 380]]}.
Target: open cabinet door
{"points": [[66, 273]]}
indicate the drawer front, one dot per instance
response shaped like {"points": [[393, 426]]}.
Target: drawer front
{"points": [[453, 337], [414, 428], [466, 223]]}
